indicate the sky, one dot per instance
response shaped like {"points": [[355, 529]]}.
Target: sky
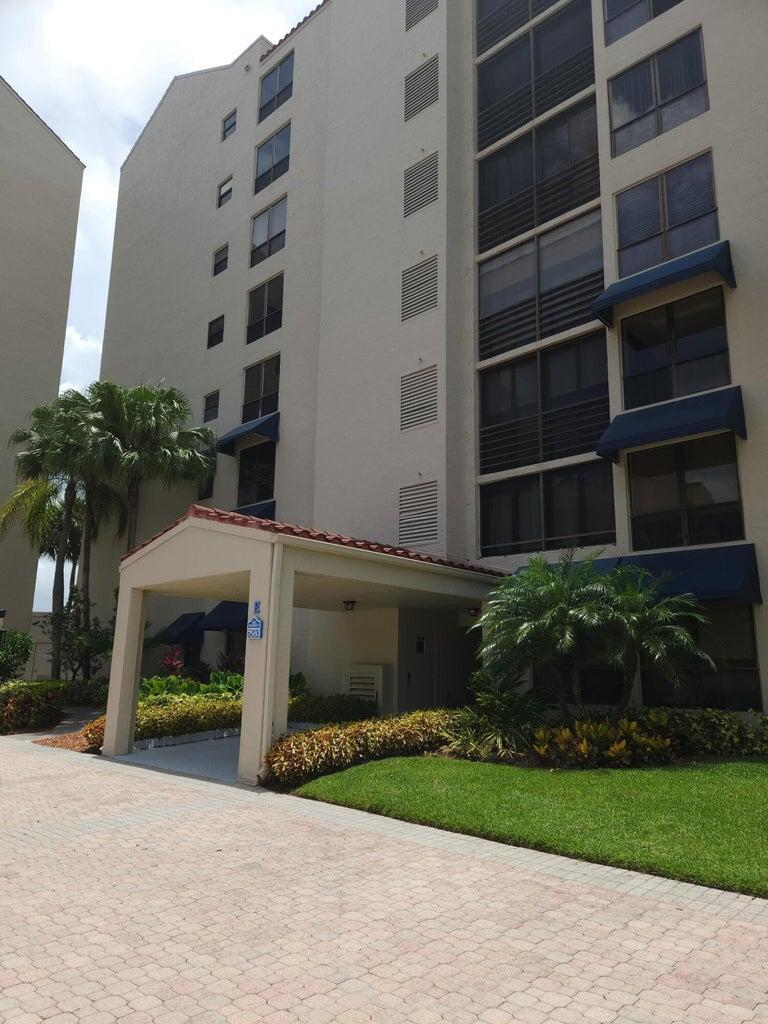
{"points": [[94, 70]]}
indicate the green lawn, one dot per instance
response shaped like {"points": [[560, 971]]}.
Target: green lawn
{"points": [[705, 822]]}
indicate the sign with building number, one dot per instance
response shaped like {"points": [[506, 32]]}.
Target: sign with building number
{"points": [[255, 628]]}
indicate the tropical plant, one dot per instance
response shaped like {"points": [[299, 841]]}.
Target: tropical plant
{"points": [[35, 507], [173, 662], [499, 724], [590, 743], [85, 642], [15, 650]]}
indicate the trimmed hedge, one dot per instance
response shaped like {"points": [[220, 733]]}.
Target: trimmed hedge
{"points": [[171, 716], [302, 756], [338, 707], [30, 705], [714, 733]]}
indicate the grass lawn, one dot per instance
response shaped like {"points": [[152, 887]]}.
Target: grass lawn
{"points": [[705, 822]]}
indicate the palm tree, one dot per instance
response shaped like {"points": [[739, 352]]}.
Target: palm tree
{"points": [[144, 436], [644, 627], [35, 507]]}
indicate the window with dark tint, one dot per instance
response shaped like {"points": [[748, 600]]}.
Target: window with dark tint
{"points": [[216, 332], [667, 216], [496, 19], [276, 87], [624, 16], [256, 474], [675, 350], [662, 92], [224, 192], [211, 407], [571, 507], [541, 287], [273, 158], [220, 260], [229, 125], [686, 494], [539, 176], [265, 309], [268, 232], [205, 490], [262, 385], [734, 685], [545, 406], [535, 72]]}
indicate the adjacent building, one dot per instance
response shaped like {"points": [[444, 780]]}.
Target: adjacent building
{"points": [[40, 183], [477, 278]]}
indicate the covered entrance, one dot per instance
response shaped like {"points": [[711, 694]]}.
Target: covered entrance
{"points": [[420, 602]]}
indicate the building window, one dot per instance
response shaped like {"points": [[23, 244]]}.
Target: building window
{"points": [[229, 125], [536, 72], [256, 474], [268, 232], [541, 287], [685, 494], [265, 309], [675, 350], [273, 158], [667, 216], [211, 407], [624, 16], [496, 19], [216, 332], [658, 94], [563, 508], [220, 260], [262, 386], [540, 176], [276, 87], [734, 684], [549, 405], [224, 192], [205, 490]]}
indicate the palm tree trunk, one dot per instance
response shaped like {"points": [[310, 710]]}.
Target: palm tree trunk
{"points": [[627, 686], [73, 575], [86, 578], [133, 513], [57, 603]]}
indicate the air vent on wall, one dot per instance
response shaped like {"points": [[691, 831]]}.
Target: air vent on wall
{"points": [[421, 183], [417, 10], [419, 288], [417, 523], [364, 681], [422, 87], [418, 398]]}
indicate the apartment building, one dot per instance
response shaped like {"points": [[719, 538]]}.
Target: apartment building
{"points": [[477, 278], [40, 183]]}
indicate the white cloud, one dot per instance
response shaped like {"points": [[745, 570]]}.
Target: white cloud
{"points": [[82, 357]]}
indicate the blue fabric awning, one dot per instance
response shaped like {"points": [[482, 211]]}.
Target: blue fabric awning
{"points": [[184, 630], [711, 574], [262, 510], [226, 615], [714, 259], [699, 414], [266, 428]]}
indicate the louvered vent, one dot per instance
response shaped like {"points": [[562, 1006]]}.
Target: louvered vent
{"points": [[417, 10], [364, 681], [419, 288], [420, 184], [418, 514], [422, 88], [418, 398]]}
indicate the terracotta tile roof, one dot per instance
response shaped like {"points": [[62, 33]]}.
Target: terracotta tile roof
{"points": [[215, 515], [295, 28]]}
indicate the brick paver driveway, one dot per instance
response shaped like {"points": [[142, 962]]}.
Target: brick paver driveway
{"points": [[127, 894]]}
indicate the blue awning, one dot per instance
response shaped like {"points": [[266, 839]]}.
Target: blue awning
{"points": [[262, 510], [714, 259], [265, 428], [711, 574], [184, 630], [699, 414], [226, 615]]}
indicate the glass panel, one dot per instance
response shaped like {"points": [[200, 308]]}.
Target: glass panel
{"points": [[680, 67], [256, 301], [632, 94], [635, 134], [654, 481], [639, 257], [703, 374], [646, 342], [711, 476], [510, 392], [578, 504], [566, 140], [685, 108], [272, 375], [511, 516], [268, 87], [507, 280], [599, 516], [282, 143], [693, 235], [264, 157], [639, 212], [504, 74], [660, 6], [275, 295], [277, 218], [729, 636], [570, 252], [486, 7], [562, 36], [506, 173], [614, 7], [690, 190], [699, 325], [285, 69], [256, 475], [260, 232], [574, 373], [627, 22]]}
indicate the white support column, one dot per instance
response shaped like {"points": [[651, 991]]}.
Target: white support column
{"points": [[279, 658], [124, 676]]}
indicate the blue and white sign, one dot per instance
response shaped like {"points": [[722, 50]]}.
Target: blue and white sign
{"points": [[255, 628]]}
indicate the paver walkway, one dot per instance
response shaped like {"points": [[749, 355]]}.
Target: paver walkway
{"points": [[126, 894]]}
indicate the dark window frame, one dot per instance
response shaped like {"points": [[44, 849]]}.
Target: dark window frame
{"points": [[266, 178], [221, 262], [247, 411], [224, 194], [228, 129], [274, 243], [658, 106], [265, 448], [282, 92], [647, 6], [215, 331], [269, 322], [211, 411]]}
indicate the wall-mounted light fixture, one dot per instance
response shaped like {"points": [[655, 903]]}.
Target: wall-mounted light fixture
{"points": [[350, 605], [473, 611]]}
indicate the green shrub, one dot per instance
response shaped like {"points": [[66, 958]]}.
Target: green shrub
{"points": [[305, 755], [92, 694], [338, 707], [297, 684], [172, 716], [221, 683], [15, 652], [30, 705], [498, 726], [595, 743], [715, 733]]}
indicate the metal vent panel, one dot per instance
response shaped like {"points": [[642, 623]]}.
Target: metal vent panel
{"points": [[420, 184], [418, 398], [419, 288], [364, 681], [417, 10], [422, 87], [417, 522]]}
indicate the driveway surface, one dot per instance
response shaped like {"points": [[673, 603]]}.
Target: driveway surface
{"points": [[128, 894]]}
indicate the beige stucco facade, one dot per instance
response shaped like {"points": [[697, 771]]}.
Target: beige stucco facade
{"points": [[344, 459]]}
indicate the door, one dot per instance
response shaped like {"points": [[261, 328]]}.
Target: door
{"points": [[416, 683]]}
